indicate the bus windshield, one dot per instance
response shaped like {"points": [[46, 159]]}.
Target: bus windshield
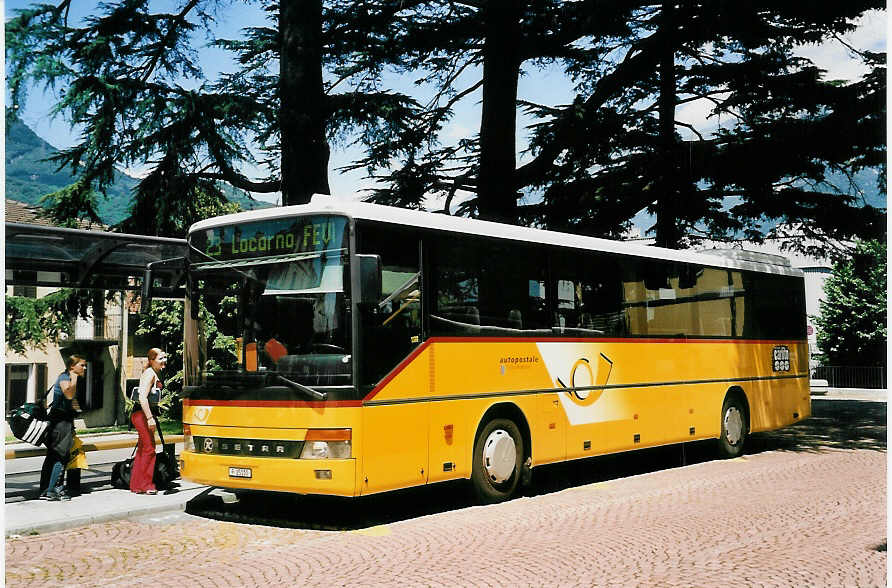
{"points": [[281, 320]]}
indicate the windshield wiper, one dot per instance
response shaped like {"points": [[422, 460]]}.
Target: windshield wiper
{"points": [[315, 395]]}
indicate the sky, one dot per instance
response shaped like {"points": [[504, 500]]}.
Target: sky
{"points": [[541, 86]]}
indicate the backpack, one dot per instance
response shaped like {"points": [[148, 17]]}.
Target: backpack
{"points": [[28, 423]]}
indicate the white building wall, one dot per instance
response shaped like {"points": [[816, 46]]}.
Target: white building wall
{"points": [[51, 355], [814, 295]]}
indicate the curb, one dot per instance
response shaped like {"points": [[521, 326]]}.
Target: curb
{"points": [[93, 446], [69, 522]]}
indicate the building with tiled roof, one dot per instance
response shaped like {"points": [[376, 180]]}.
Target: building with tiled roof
{"points": [[29, 214]]}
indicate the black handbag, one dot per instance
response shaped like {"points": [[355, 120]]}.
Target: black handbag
{"points": [[120, 476], [166, 468]]}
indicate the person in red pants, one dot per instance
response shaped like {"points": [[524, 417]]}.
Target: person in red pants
{"points": [[143, 419]]}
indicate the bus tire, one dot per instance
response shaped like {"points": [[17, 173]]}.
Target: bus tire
{"points": [[497, 462], [735, 427]]}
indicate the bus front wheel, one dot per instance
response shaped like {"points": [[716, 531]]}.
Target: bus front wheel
{"points": [[498, 458], [735, 427]]}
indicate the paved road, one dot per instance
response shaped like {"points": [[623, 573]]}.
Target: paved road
{"points": [[23, 474], [806, 508]]}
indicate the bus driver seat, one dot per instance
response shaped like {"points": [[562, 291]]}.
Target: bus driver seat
{"points": [[514, 319]]}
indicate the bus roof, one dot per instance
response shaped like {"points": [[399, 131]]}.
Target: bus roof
{"points": [[323, 204]]}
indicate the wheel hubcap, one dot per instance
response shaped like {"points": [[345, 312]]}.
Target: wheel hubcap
{"points": [[733, 425], [499, 456]]}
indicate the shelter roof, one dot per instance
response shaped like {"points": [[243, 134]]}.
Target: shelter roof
{"points": [[39, 255]]}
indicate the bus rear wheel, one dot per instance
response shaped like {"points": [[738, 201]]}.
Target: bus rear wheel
{"points": [[498, 459], [735, 427]]}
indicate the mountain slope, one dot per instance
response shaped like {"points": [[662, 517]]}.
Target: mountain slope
{"points": [[29, 177]]}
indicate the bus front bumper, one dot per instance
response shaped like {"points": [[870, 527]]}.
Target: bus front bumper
{"points": [[335, 477]]}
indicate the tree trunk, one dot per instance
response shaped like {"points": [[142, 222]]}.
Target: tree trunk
{"points": [[669, 234], [302, 112], [496, 197]]}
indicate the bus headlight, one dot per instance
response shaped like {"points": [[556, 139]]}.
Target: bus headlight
{"points": [[188, 442], [326, 450], [327, 444]]}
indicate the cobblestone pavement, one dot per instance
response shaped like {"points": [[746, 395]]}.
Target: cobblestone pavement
{"points": [[795, 513]]}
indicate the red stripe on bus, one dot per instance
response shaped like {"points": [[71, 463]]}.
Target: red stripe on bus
{"points": [[609, 340], [402, 365], [272, 403]]}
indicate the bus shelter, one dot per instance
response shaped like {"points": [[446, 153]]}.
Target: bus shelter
{"points": [[75, 258], [39, 259]]}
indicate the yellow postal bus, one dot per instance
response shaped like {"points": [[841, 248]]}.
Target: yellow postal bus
{"points": [[381, 348]]}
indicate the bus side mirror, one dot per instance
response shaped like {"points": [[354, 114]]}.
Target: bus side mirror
{"points": [[177, 265], [145, 298], [369, 279]]}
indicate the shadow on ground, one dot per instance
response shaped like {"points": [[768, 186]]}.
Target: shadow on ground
{"points": [[26, 487], [837, 424]]}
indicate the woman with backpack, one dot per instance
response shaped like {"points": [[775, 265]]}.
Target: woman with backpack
{"points": [[143, 416], [60, 434]]}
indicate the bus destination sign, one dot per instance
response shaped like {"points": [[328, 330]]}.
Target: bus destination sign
{"points": [[271, 237]]}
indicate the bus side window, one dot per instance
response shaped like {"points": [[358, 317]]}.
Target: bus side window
{"points": [[589, 295], [487, 288]]}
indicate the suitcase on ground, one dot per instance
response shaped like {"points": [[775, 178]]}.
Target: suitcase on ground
{"points": [[166, 468], [120, 476]]}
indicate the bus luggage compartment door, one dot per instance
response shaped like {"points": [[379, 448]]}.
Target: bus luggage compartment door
{"points": [[395, 451]]}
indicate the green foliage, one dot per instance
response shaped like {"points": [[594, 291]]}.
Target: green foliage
{"points": [[174, 216], [163, 326], [32, 178], [789, 148], [72, 202], [784, 131], [134, 85], [852, 323], [34, 322]]}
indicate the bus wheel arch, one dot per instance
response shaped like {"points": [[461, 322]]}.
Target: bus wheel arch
{"points": [[735, 423], [496, 474]]}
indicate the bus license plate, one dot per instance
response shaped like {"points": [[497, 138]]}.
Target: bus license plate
{"points": [[239, 472]]}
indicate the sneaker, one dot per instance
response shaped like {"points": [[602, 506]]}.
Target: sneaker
{"points": [[51, 496], [63, 496]]}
